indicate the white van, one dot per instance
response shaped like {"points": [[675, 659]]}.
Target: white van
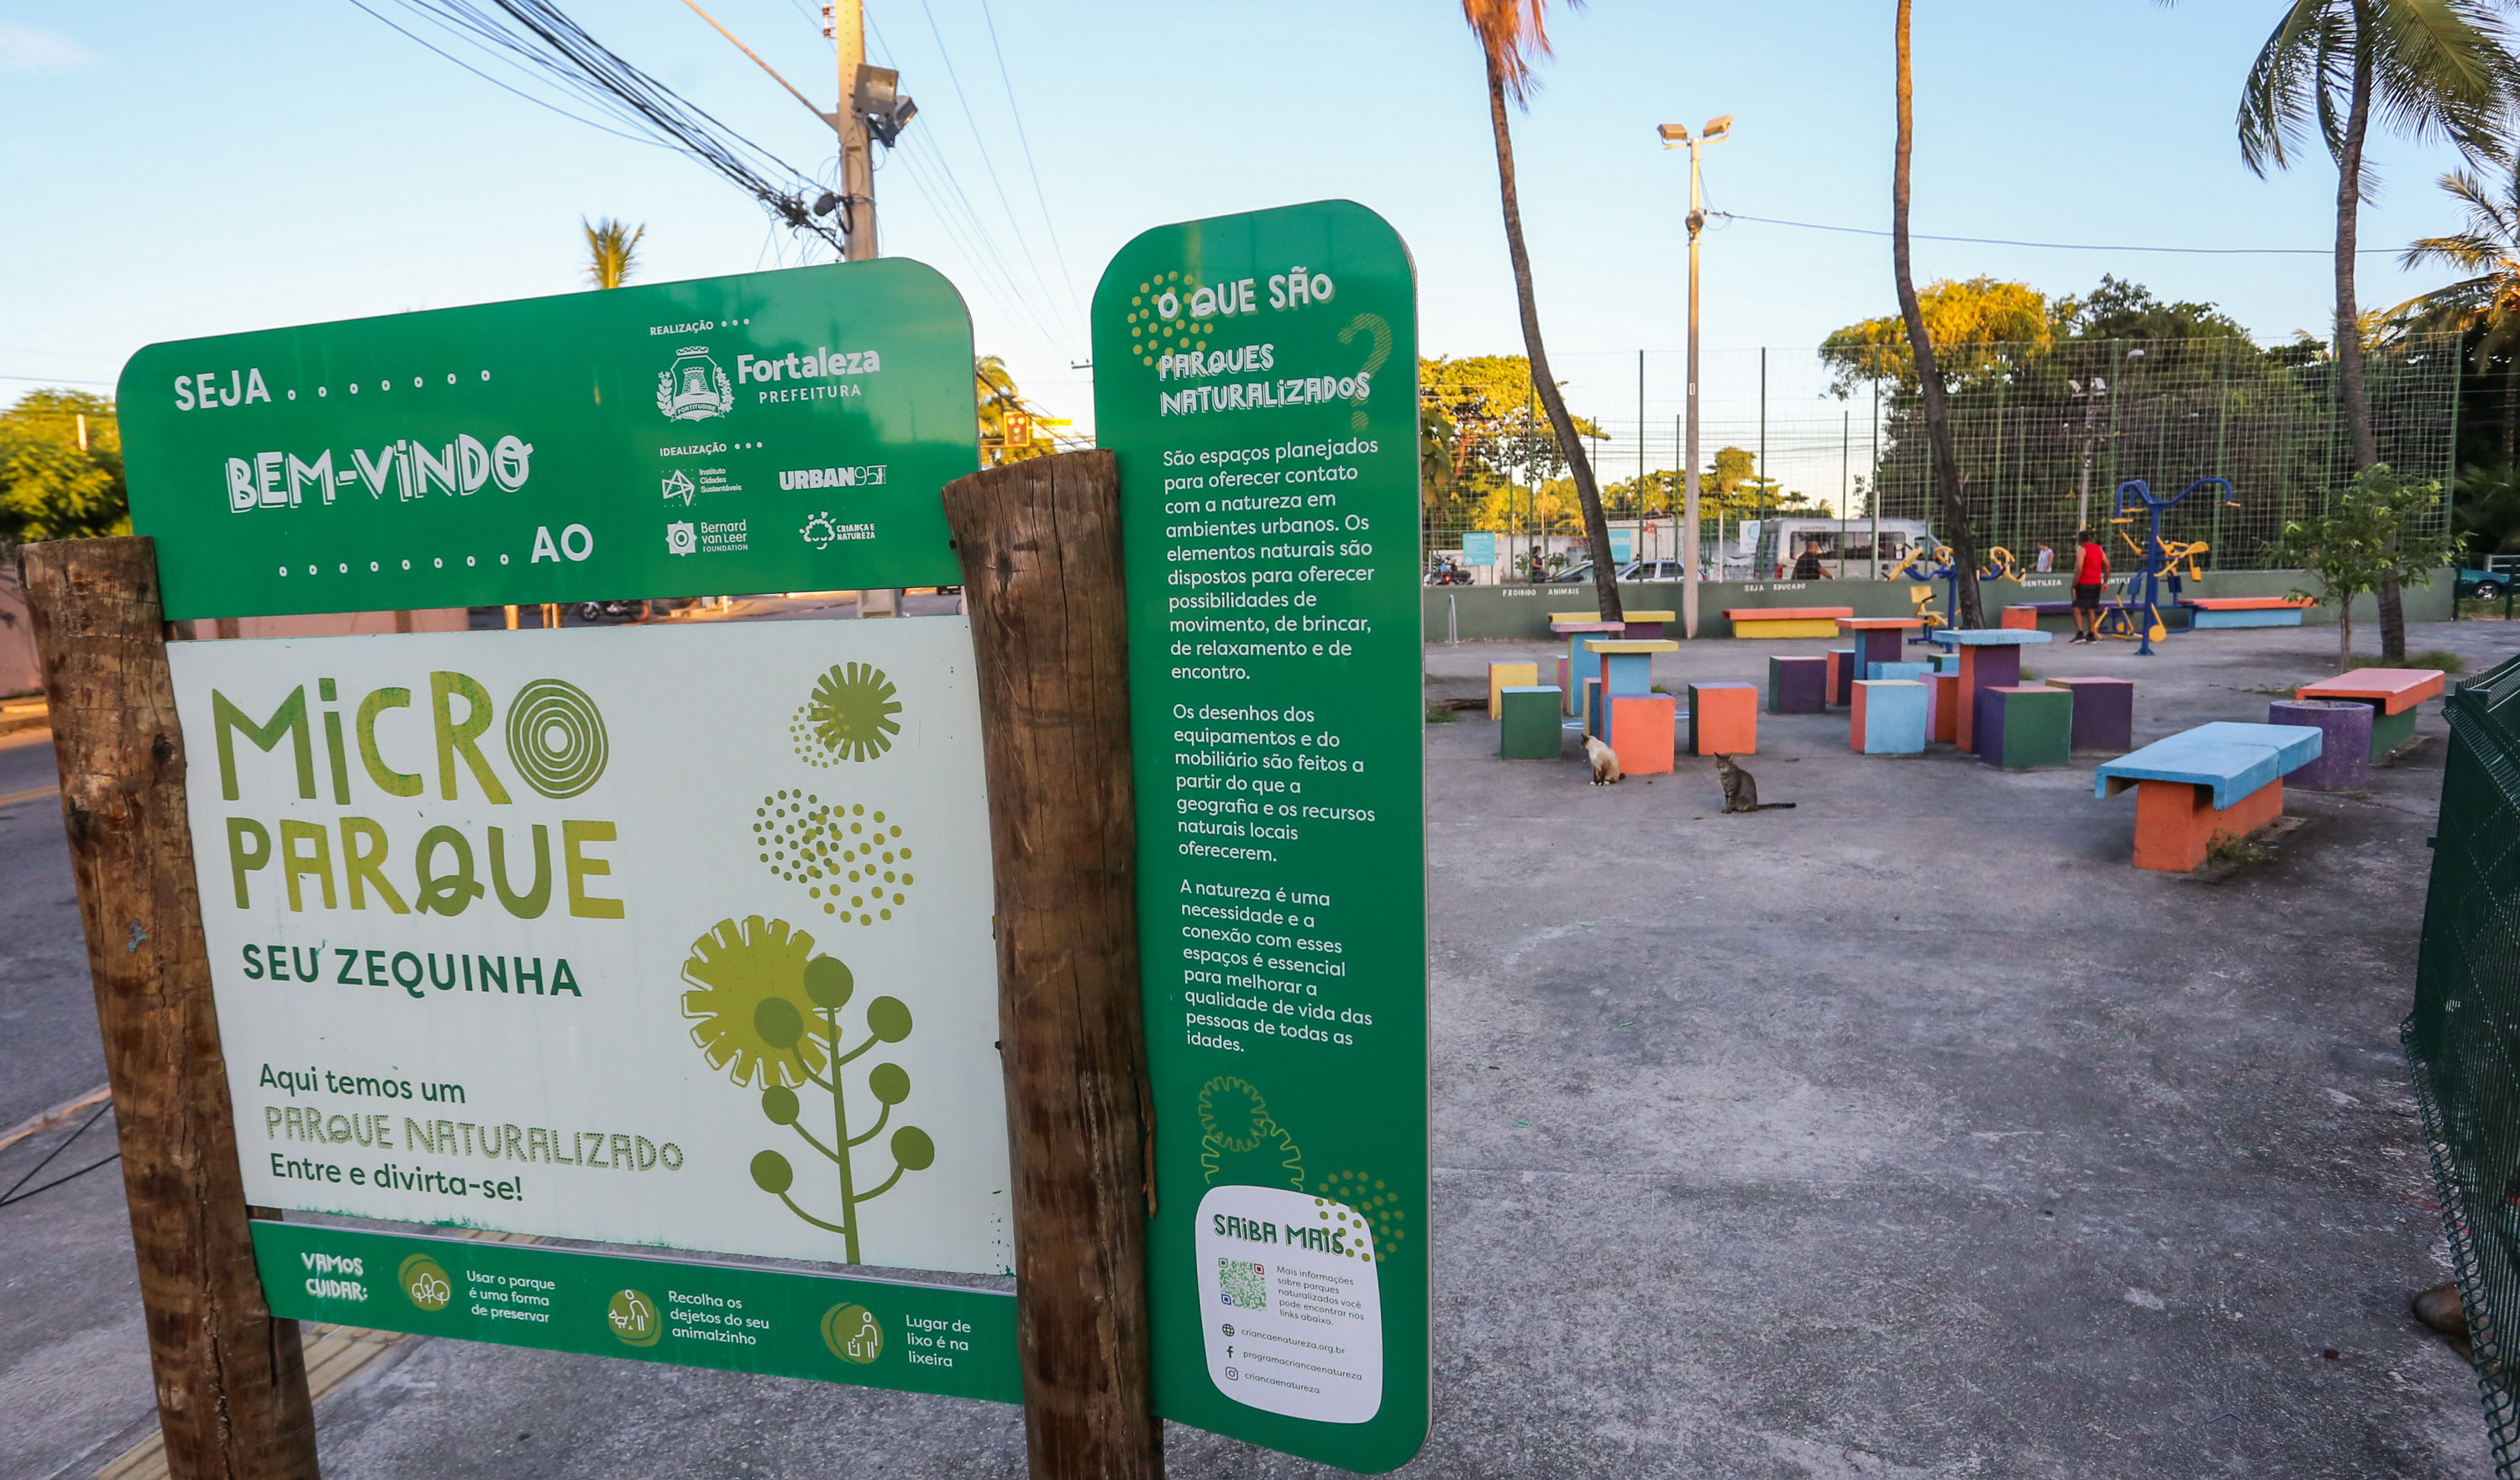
{"points": [[1846, 549]]}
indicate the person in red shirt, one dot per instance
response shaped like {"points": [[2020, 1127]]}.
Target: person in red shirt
{"points": [[2091, 578]]}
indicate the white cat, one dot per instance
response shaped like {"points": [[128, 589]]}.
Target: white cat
{"points": [[1605, 762]]}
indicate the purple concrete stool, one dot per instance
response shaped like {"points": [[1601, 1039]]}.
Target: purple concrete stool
{"points": [[2104, 713], [2344, 761], [1798, 685]]}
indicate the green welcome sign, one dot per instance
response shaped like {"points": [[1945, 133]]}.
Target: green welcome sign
{"points": [[767, 431], [1256, 376]]}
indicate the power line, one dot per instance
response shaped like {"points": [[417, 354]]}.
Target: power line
{"points": [[972, 122], [505, 87], [2200, 252], [1025, 138], [538, 34]]}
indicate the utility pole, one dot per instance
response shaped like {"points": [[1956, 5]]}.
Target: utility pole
{"points": [[847, 20], [1676, 136]]}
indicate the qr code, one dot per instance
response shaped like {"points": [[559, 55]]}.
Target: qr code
{"points": [[1242, 1286]]}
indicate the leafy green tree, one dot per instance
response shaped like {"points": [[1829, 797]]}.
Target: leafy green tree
{"points": [[2121, 310], [1510, 33], [2429, 67], [2365, 544], [51, 487], [612, 251], [1968, 323], [2484, 305]]}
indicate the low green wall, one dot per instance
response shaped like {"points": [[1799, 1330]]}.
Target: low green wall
{"points": [[1521, 612]]}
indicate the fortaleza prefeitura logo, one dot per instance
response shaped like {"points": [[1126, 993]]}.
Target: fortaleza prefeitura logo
{"points": [[693, 388]]}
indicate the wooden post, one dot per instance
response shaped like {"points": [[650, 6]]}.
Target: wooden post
{"points": [[1039, 542], [231, 1380]]}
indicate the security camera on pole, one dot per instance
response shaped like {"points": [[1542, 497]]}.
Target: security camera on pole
{"points": [[1676, 136]]}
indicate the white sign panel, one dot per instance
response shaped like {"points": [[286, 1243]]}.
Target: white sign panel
{"points": [[674, 936]]}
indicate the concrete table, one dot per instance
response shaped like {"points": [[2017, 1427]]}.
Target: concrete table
{"points": [[2222, 780], [1571, 668], [1989, 658], [2344, 761], [2393, 695], [1878, 638]]}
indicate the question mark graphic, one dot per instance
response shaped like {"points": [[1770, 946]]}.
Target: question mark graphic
{"points": [[1373, 324]]}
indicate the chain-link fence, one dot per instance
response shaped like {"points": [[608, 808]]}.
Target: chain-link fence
{"points": [[2464, 1037], [2046, 435]]}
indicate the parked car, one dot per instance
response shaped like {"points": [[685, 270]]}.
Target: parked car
{"points": [[2488, 579]]}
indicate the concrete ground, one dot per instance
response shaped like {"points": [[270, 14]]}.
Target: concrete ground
{"points": [[1907, 1132]]}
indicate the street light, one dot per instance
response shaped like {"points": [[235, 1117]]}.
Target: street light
{"points": [[1676, 136]]}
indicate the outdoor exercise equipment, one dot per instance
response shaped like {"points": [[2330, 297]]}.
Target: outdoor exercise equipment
{"points": [[1938, 564], [2156, 558]]}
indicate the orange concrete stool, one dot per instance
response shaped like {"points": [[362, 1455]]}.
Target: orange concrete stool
{"points": [[2393, 695], [1724, 718], [2221, 779], [1643, 727], [1942, 709]]}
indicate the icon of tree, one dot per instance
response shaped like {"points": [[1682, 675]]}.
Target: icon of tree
{"points": [[767, 1010]]}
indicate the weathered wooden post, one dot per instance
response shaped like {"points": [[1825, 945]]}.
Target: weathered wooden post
{"points": [[1039, 542], [231, 1380]]}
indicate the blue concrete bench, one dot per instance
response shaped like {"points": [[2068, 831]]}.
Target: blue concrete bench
{"points": [[2215, 780]]}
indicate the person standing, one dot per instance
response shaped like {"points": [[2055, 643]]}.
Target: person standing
{"points": [[2091, 578], [2047, 560], [1808, 567]]}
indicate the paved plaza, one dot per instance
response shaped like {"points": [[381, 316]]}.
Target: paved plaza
{"points": [[1910, 1132]]}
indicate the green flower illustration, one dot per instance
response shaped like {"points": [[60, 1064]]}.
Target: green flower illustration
{"points": [[850, 716], [770, 1009], [753, 1015]]}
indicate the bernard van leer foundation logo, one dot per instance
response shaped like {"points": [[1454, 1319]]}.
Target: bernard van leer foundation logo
{"points": [[693, 387]]}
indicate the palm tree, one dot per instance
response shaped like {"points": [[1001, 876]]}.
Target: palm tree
{"points": [[611, 249], [1512, 33], [2431, 67], [1930, 390], [2488, 300]]}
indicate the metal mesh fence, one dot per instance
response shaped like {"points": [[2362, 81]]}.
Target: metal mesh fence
{"points": [[2039, 427], [2462, 1039]]}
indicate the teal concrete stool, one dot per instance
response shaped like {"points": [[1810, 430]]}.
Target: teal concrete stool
{"points": [[1888, 715], [1902, 669], [1530, 728], [2027, 726], [1947, 663]]}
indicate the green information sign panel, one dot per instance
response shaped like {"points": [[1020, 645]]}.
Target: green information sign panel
{"points": [[920, 1338], [768, 431], [1256, 376]]}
